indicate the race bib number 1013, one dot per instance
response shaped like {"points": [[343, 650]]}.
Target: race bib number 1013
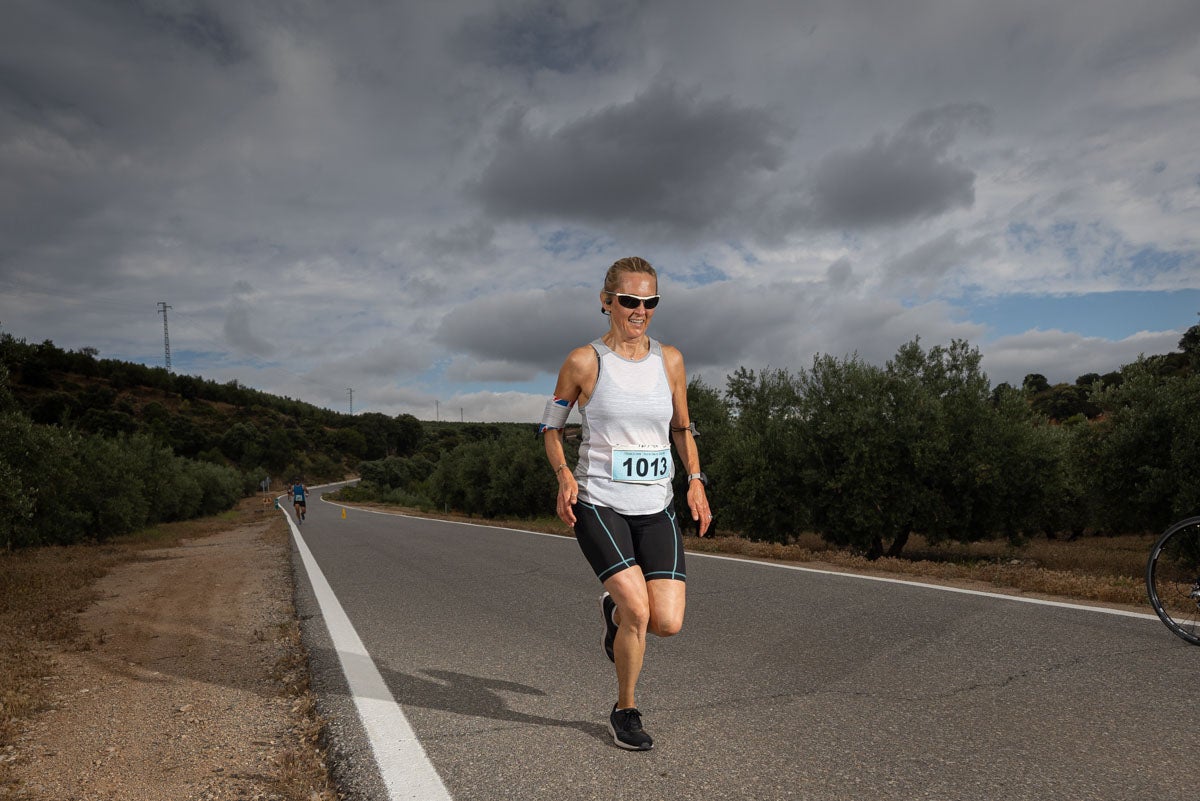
{"points": [[641, 464]]}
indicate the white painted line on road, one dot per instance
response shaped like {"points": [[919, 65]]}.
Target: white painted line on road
{"points": [[1019, 598], [1002, 596], [403, 764], [440, 520]]}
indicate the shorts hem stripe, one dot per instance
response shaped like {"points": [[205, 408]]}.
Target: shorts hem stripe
{"points": [[617, 568]]}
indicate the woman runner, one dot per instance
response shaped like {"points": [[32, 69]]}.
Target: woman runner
{"points": [[632, 395]]}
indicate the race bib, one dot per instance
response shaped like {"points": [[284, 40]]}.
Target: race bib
{"points": [[641, 464]]}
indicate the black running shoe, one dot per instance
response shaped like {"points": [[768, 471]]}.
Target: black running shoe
{"points": [[627, 732], [607, 606]]}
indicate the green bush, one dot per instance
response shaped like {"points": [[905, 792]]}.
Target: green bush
{"points": [[754, 465], [507, 476], [396, 472], [1145, 469], [63, 486]]}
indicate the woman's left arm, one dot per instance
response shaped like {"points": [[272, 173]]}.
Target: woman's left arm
{"points": [[681, 434]]}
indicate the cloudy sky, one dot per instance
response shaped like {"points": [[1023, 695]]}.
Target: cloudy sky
{"points": [[418, 200]]}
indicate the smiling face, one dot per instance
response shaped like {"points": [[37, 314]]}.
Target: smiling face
{"points": [[630, 324]]}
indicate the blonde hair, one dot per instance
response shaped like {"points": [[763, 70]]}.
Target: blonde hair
{"points": [[629, 264]]}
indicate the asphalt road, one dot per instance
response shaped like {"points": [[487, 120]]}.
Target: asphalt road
{"points": [[783, 684]]}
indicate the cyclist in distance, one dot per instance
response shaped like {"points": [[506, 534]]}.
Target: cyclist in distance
{"points": [[299, 496], [632, 395]]}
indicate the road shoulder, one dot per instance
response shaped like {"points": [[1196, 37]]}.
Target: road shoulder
{"points": [[184, 683]]}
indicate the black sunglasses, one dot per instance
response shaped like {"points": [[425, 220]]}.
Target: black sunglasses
{"points": [[633, 301]]}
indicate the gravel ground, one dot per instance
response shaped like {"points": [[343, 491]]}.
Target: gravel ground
{"points": [[175, 690]]}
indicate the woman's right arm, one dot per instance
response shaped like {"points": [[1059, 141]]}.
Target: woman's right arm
{"points": [[568, 489], [576, 370]]}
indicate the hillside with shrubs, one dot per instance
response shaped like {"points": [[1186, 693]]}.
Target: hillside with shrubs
{"points": [[93, 448]]}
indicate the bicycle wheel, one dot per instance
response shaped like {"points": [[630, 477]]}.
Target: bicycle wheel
{"points": [[1173, 579]]}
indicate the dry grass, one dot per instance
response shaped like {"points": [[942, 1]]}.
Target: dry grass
{"points": [[1094, 569], [302, 770], [303, 773], [40, 593], [42, 590]]}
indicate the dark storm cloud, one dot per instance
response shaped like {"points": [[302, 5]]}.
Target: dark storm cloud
{"points": [[492, 372], [195, 24], [840, 275], [537, 329], [540, 35], [722, 324], [906, 176], [238, 326], [526, 328], [239, 334], [667, 158], [103, 110], [923, 268]]}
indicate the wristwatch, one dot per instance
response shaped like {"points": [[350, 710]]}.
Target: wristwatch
{"points": [[703, 478]]}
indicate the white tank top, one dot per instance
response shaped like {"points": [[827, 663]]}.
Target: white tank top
{"points": [[625, 460]]}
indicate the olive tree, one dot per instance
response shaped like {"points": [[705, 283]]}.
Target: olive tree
{"points": [[754, 460], [856, 454], [917, 446], [1147, 461]]}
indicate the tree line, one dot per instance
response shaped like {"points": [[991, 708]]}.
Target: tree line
{"points": [[867, 455], [92, 448], [864, 455]]}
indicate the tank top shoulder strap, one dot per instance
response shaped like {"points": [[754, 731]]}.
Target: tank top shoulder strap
{"points": [[600, 349]]}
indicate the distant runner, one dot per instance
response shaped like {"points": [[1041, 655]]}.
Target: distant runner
{"points": [[632, 393], [299, 495]]}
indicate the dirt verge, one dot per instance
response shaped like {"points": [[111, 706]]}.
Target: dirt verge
{"points": [[187, 681]]}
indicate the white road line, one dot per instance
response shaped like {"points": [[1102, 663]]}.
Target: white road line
{"points": [[1019, 598], [403, 764], [999, 595]]}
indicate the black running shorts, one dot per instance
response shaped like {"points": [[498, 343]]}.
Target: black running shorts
{"points": [[612, 542]]}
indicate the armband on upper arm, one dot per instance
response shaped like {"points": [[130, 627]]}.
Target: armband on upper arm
{"points": [[555, 415]]}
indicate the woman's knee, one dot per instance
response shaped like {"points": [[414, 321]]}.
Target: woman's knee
{"points": [[668, 598], [634, 613], [666, 624], [633, 605]]}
